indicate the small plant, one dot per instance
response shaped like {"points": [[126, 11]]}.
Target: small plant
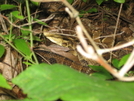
{"points": [[99, 2], [92, 10], [119, 63], [99, 70]]}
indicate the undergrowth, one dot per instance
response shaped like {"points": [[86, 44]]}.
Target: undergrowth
{"points": [[43, 82]]}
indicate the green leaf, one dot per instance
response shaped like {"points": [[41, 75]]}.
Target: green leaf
{"points": [[120, 1], [40, 22], [2, 50], [22, 46], [27, 63], [123, 60], [6, 7], [35, 3], [99, 2], [8, 35], [25, 34], [36, 38], [101, 76], [82, 12], [3, 83], [26, 99], [130, 73], [115, 63], [84, 0], [92, 10], [17, 15], [101, 71], [45, 82], [25, 31], [70, 1]]}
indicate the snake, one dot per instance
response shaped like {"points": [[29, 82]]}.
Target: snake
{"points": [[100, 38], [52, 58]]}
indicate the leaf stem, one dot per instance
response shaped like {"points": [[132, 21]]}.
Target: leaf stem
{"points": [[30, 28]]}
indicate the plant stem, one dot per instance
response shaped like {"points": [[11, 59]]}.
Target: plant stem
{"points": [[30, 28], [11, 27]]}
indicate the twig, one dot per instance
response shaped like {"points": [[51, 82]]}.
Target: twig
{"points": [[86, 33], [101, 51], [90, 54], [3, 24], [20, 26], [116, 27]]}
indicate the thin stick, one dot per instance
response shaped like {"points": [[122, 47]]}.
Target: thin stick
{"points": [[116, 27], [101, 51]]}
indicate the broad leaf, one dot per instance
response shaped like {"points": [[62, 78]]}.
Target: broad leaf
{"points": [[17, 15], [102, 72], [35, 3], [84, 0], [123, 60], [99, 2], [115, 63], [23, 100], [50, 82], [22, 46], [120, 1], [3, 83], [6, 7], [70, 1]]}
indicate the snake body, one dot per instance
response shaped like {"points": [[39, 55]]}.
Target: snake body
{"points": [[52, 58]]}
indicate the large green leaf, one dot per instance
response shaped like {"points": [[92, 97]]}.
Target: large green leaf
{"points": [[3, 83], [23, 100], [45, 82], [22, 46]]}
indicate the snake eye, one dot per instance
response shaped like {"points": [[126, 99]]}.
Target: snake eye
{"points": [[52, 61]]}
